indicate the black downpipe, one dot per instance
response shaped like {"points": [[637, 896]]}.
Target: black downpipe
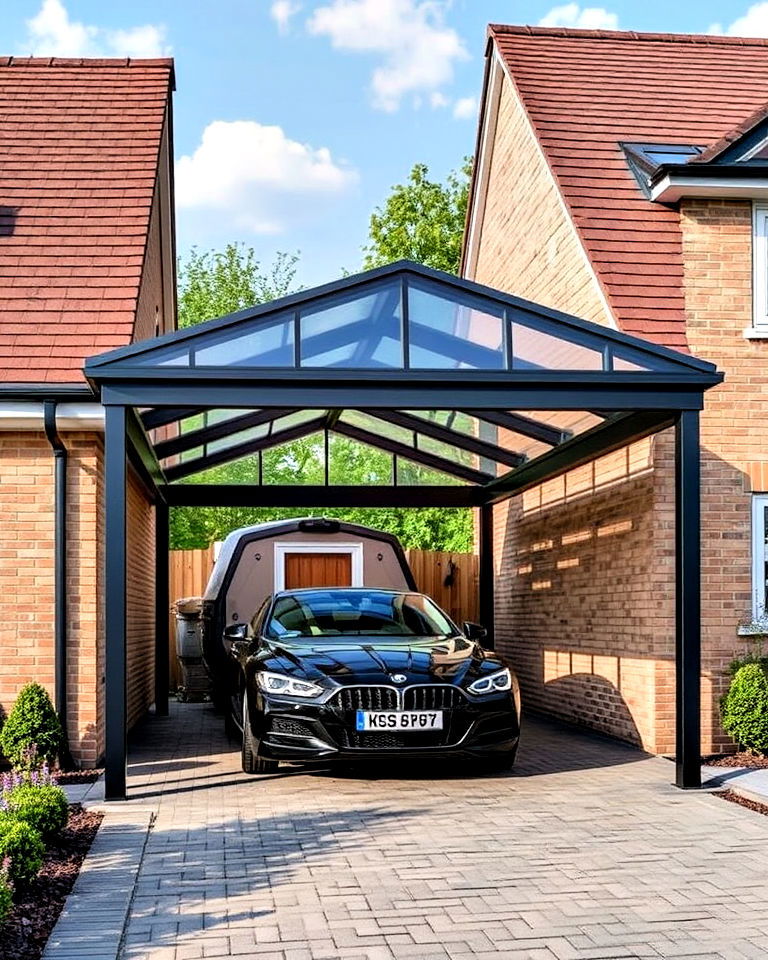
{"points": [[60, 568]]}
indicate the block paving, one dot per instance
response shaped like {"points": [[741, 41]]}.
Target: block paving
{"points": [[584, 852]]}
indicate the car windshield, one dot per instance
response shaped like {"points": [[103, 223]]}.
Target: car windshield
{"points": [[341, 613]]}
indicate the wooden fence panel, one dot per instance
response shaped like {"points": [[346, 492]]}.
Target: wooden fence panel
{"points": [[190, 570], [450, 579]]}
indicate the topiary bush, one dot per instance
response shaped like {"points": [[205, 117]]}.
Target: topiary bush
{"points": [[32, 733], [22, 845], [744, 708], [6, 892], [43, 807]]}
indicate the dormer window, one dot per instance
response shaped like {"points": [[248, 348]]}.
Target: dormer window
{"points": [[645, 159]]}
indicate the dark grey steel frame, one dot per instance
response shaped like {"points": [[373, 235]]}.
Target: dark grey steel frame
{"points": [[640, 403]]}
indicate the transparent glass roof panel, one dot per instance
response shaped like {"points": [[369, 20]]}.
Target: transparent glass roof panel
{"points": [[534, 349], [409, 473], [379, 427], [457, 333], [243, 436], [261, 343], [359, 332], [351, 459], [296, 463]]}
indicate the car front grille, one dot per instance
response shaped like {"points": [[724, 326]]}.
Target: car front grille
{"points": [[422, 697], [366, 698], [435, 697]]}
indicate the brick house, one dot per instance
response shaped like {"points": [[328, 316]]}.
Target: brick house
{"points": [[622, 177], [86, 264]]}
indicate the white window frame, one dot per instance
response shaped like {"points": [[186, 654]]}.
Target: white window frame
{"points": [[759, 505], [760, 266], [355, 550]]}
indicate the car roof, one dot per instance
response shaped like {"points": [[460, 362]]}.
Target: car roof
{"points": [[295, 590]]}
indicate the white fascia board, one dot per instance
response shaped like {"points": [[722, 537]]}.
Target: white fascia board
{"points": [[22, 415], [672, 188], [489, 132], [485, 154]]}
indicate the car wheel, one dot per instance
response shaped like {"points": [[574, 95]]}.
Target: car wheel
{"points": [[251, 761]]}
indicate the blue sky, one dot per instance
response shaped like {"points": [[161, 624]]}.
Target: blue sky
{"points": [[293, 118]]}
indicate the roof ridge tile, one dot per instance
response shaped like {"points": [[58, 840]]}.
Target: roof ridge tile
{"points": [[626, 35]]}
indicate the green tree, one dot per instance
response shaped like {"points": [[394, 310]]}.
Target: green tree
{"points": [[421, 220], [216, 282]]}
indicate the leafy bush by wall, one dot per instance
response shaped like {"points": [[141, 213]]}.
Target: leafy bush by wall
{"points": [[22, 846], [744, 708], [32, 732], [43, 807], [6, 892]]}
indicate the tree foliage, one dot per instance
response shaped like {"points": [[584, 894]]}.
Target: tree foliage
{"points": [[216, 282], [421, 220]]}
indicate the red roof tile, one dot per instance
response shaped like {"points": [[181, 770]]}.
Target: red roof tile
{"points": [[80, 142], [586, 91]]}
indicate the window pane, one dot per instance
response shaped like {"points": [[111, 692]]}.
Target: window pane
{"points": [[452, 334], [537, 350], [359, 333]]}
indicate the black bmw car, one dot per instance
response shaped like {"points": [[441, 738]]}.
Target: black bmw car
{"points": [[345, 673]]}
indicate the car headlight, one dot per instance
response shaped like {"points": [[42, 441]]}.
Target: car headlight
{"points": [[493, 683], [287, 686]]}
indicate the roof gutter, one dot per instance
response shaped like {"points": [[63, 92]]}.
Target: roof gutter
{"points": [[60, 456], [671, 182]]}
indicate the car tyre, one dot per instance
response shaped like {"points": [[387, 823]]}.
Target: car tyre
{"points": [[251, 761]]}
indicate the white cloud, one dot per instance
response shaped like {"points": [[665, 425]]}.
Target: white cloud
{"points": [[257, 177], [588, 18], [51, 33], [282, 11], [416, 48], [465, 108], [754, 23]]}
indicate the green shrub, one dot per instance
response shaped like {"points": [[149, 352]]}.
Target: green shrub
{"points": [[6, 892], [32, 733], [23, 847], [42, 807], [744, 708]]}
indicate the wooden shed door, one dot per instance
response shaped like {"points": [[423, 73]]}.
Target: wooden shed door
{"points": [[318, 570]]}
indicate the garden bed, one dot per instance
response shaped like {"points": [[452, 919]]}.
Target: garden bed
{"points": [[755, 761], [37, 907], [733, 797]]}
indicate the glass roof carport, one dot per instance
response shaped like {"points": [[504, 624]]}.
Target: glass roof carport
{"points": [[474, 395]]}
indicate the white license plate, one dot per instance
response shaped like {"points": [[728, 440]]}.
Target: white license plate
{"points": [[399, 720]]}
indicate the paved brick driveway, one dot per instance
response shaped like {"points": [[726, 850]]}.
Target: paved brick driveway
{"points": [[586, 851]]}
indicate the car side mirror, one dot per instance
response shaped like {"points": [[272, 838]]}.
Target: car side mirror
{"points": [[236, 631], [474, 631]]}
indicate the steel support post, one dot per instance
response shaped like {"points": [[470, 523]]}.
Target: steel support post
{"points": [[162, 603], [485, 576], [688, 600], [115, 466]]}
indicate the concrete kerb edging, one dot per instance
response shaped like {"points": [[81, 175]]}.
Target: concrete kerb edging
{"points": [[93, 919]]}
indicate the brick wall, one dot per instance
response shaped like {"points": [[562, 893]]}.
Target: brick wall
{"points": [[27, 577], [585, 564], [717, 253], [27, 583], [527, 244], [592, 632], [140, 591]]}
